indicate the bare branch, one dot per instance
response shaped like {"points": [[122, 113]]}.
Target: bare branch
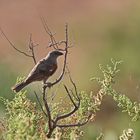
{"points": [[40, 104], [57, 43], [74, 125], [48, 31], [68, 114], [74, 85], [31, 47], [13, 44], [69, 95], [47, 109], [54, 123], [76, 107], [73, 94]]}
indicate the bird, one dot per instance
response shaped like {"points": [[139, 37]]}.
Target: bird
{"points": [[45, 68]]}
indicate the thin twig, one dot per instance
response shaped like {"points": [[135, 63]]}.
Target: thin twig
{"points": [[68, 114], [31, 47], [40, 104], [73, 94], [74, 85], [46, 105], [48, 31], [74, 109], [14, 45], [57, 43], [73, 125], [69, 95]]}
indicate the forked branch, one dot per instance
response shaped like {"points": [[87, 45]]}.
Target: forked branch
{"points": [[30, 46]]}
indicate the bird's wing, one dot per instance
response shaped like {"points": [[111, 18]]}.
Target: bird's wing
{"points": [[42, 70], [36, 71]]}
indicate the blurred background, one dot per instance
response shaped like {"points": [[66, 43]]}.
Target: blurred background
{"points": [[99, 30]]}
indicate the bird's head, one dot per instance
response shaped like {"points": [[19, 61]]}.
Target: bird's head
{"points": [[55, 54]]}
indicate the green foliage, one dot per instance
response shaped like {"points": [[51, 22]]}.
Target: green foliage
{"points": [[23, 120], [123, 102], [20, 79], [128, 134], [100, 137], [132, 108], [80, 116], [89, 106]]}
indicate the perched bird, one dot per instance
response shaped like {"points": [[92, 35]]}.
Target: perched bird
{"points": [[41, 71]]}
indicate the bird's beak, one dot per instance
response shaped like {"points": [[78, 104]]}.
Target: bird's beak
{"points": [[60, 53]]}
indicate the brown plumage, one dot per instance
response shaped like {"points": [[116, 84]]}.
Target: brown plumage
{"points": [[41, 71]]}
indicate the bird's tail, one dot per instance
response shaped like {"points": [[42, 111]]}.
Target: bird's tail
{"points": [[19, 86]]}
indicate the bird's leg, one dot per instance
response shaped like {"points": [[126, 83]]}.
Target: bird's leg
{"points": [[46, 84], [44, 81], [49, 84]]}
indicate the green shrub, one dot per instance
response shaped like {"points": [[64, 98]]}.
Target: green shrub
{"points": [[23, 120], [26, 122]]}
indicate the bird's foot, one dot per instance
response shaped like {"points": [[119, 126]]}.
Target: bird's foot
{"points": [[48, 84]]}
